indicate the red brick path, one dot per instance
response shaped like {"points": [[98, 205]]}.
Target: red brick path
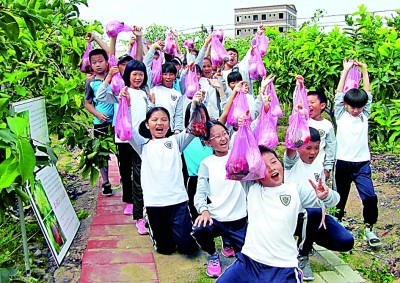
{"points": [[115, 251]]}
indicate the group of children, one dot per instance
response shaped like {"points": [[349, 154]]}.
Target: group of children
{"points": [[176, 181]]}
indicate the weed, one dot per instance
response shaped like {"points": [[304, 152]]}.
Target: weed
{"points": [[82, 214]]}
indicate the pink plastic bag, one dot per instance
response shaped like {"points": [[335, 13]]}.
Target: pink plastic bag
{"points": [[275, 109], [123, 124], [262, 42], [245, 161], [238, 108], [117, 83], [265, 131], [170, 46], [219, 34], [218, 51], [257, 69], [85, 66], [115, 27], [191, 82], [156, 70], [189, 43], [301, 96], [353, 79], [133, 50], [298, 132]]}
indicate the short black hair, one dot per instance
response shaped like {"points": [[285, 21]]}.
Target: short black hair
{"points": [[211, 124], [264, 150], [124, 58], [234, 77], [314, 135], [169, 67], [198, 69], [321, 96], [356, 97], [134, 65], [98, 51], [168, 57], [232, 49]]}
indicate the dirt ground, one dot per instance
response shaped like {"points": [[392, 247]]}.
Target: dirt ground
{"points": [[386, 177]]}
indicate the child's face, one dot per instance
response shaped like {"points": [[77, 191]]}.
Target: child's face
{"points": [[207, 69], [98, 64], [308, 154], [315, 105], [274, 173], [168, 79], [354, 111], [219, 140], [245, 86], [233, 59], [121, 67], [158, 124], [136, 79]]}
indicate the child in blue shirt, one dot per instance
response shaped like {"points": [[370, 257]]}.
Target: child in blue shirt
{"points": [[103, 112]]}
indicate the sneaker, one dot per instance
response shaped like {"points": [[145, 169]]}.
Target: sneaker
{"points": [[106, 189], [128, 209], [371, 238], [227, 250], [213, 266], [141, 227], [304, 265]]}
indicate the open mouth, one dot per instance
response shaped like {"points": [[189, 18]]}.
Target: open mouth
{"points": [[275, 176]]}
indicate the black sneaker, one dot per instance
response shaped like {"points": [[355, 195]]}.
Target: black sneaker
{"points": [[106, 189]]}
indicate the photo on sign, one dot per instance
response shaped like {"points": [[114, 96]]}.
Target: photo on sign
{"points": [[56, 235]]}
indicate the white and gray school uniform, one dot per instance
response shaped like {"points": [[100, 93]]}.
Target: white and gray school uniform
{"points": [[272, 219], [327, 145], [227, 198], [161, 172], [352, 132], [353, 158], [169, 98]]}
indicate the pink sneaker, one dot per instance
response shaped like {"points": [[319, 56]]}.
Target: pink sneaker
{"points": [[128, 209], [141, 227], [213, 266], [227, 251]]}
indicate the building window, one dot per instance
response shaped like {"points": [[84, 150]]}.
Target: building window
{"points": [[280, 29], [263, 17], [255, 17], [281, 15], [269, 15], [238, 19], [274, 15], [254, 30], [238, 32]]}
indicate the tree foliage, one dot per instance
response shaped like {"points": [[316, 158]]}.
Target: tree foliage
{"points": [[41, 47]]}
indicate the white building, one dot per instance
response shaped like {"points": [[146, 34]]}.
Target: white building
{"points": [[248, 19]]}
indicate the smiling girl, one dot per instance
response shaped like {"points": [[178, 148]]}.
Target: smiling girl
{"points": [[220, 202], [164, 193]]}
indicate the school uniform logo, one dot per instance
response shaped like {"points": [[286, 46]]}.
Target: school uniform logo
{"points": [[321, 133], [174, 97], [168, 144], [285, 199], [316, 176]]}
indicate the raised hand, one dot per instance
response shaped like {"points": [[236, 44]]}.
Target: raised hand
{"points": [[347, 64], [320, 189]]}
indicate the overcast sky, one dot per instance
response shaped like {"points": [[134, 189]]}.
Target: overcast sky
{"points": [[185, 14]]}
